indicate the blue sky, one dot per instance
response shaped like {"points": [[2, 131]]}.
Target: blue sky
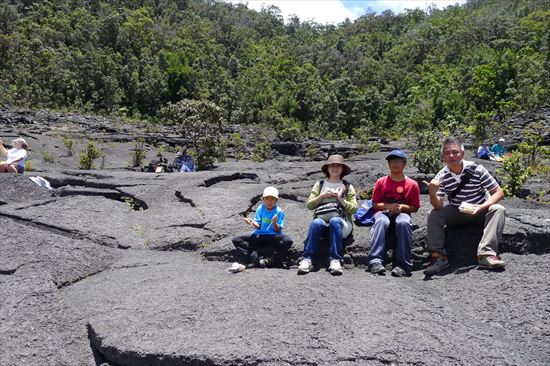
{"points": [[336, 11]]}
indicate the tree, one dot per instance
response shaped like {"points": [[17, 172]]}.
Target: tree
{"points": [[199, 122]]}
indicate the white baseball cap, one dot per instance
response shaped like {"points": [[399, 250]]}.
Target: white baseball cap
{"points": [[270, 192]]}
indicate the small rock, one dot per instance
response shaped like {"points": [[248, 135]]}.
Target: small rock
{"points": [[8, 268]]}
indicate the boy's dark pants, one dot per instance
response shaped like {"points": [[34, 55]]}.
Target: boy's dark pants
{"points": [[248, 246]]}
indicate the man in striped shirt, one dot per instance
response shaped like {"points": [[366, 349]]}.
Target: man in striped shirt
{"points": [[481, 192]]}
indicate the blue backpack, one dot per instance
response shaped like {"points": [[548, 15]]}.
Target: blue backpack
{"points": [[364, 216]]}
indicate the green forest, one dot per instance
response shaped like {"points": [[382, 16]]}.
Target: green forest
{"points": [[382, 74]]}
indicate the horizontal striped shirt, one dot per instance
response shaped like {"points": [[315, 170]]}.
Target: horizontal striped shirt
{"points": [[475, 191]]}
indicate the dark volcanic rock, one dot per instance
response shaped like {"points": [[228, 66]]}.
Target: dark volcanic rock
{"points": [[97, 273], [18, 188], [35, 326], [163, 315]]}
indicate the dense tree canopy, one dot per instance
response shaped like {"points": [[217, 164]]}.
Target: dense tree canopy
{"points": [[382, 73]]}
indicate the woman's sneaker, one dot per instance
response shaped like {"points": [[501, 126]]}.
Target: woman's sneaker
{"points": [[335, 267], [304, 266], [490, 261], [437, 264]]}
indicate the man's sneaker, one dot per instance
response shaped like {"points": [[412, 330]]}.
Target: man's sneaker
{"points": [[400, 272], [335, 267], [236, 268], [305, 266], [437, 264], [490, 261], [377, 268], [265, 262]]}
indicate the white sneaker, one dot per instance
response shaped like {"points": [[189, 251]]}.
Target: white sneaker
{"points": [[335, 267], [236, 267], [305, 266]]}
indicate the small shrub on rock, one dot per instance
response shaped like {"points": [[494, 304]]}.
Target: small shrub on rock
{"points": [[47, 156], [365, 194], [206, 152], [28, 165], [373, 147], [238, 145], [427, 156], [535, 155], [311, 151], [138, 152], [262, 151], [88, 156], [513, 174], [363, 138], [69, 144], [222, 147], [290, 131]]}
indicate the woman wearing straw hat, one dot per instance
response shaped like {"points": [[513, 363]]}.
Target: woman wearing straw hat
{"points": [[333, 201], [16, 156]]}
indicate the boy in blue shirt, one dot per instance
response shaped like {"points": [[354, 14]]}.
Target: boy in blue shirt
{"points": [[268, 223]]}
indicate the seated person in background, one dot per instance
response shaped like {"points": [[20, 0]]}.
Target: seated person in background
{"points": [[395, 197], [184, 162], [473, 196], [483, 152], [268, 223], [178, 161], [499, 149], [15, 162]]}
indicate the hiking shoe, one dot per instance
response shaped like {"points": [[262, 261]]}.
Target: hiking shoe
{"points": [[305, 266], [265, 262], [253, 264], [335, 267], [490, 261], [236, 268], [437, 264], [400, 272], [377, 268]]}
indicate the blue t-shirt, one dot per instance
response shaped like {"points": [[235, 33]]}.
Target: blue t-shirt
{"points": [[498, 150], [263, 218]]}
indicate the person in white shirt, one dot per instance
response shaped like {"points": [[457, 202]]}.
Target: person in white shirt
{"points": [[15, 162]]}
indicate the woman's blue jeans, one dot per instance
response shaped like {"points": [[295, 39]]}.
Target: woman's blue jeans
{"points": [[319, 228]]}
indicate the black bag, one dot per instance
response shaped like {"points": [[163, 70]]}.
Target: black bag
{"points": [[328, 208], [469, 173], [334, 208]]}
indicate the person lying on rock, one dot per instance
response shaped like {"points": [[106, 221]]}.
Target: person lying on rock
{"points": [[268, 224], [473, 196], [15, 162], [334, 203], [395, 198]]}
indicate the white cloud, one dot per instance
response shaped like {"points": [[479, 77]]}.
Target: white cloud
{"points": [[398, 6], [325, 11], [336, 11]]}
